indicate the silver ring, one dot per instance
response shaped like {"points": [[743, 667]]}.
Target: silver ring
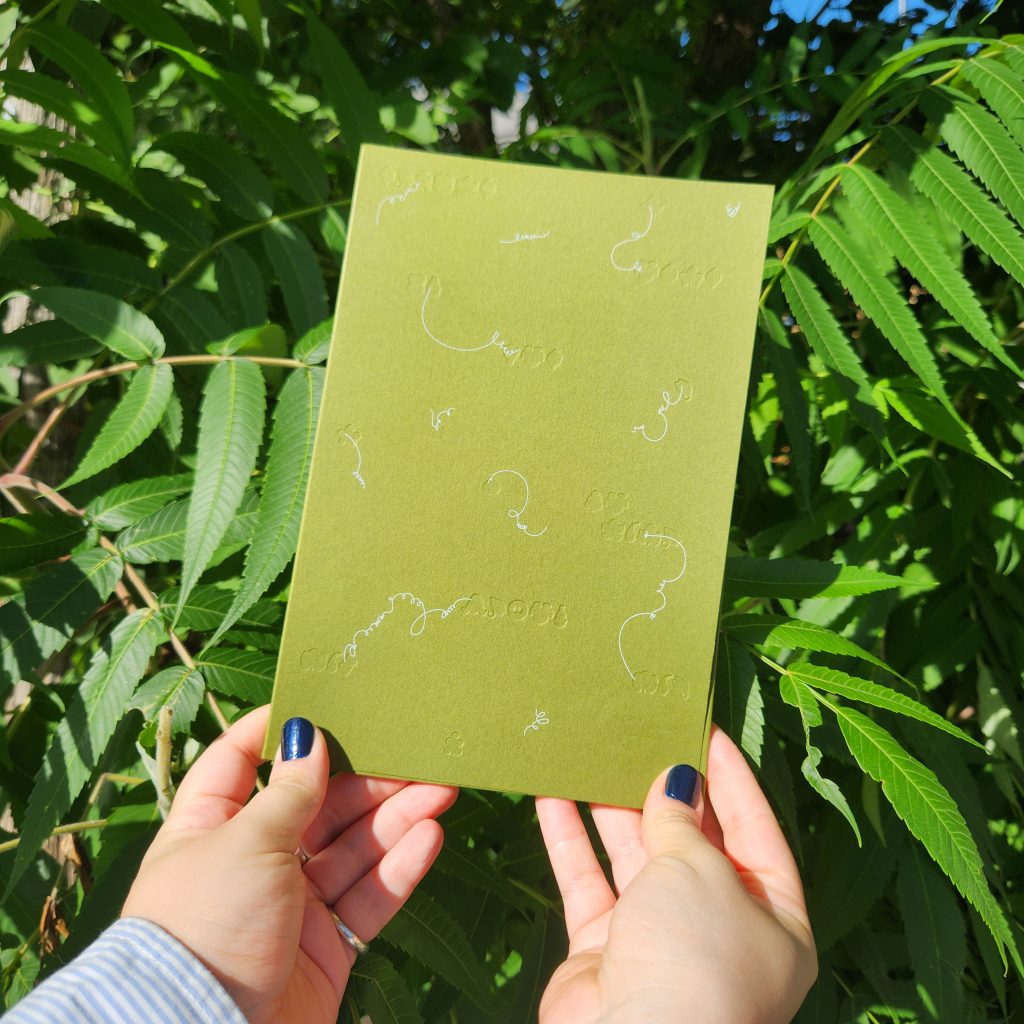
{"points": [[304, 858], [348, 935]]}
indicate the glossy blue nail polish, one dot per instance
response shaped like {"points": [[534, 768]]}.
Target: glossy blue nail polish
{"points": [[683, 783], [296, 739]]}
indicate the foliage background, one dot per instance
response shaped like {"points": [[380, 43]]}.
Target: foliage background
{"points": [[172, 220]]}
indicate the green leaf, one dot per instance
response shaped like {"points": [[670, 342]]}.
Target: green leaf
{"points": [[48, 341], [822, 330], [206, 606], [177, 687], [867, 692], [982, 144], [926, 415], [67, 104], [878, 297], [930, 814], [247, 675], [30, 539], [295, 265], [354, 105], [381, 992], [425, 930], [1001, 89], [253, 17], [113, 323], [55, 149], [160, 537], [152, 21], [739, 706], [780, 631], [936, 935], [910, 240], [315, 345], [242, 186], [939, 177], [44, 617], [798, 577], [90, 70], [128, 503], [285, 143], [240, 287], [82, 736], [792, 398], [134, 418], [230, 432], [280, 509], [799, 696]]}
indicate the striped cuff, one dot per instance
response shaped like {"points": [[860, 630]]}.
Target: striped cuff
{"points": [[135, 971]]}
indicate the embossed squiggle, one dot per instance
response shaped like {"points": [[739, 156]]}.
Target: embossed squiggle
{"points": [[359, 455], [653, 613], [515, 513], [398, 197], [436, 417], [416, 627], [667, 403], [495, 338], [634, 236], [522, 237], [541, 718]]}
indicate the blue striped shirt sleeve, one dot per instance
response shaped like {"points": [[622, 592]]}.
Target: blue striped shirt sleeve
{"points": [[135, 971]]}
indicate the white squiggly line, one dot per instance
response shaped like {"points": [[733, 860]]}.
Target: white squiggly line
{"points": [[520, 237], [495, 338], [515, 513], [356, 472], [653, 613], [667, 403], [398, 197], [732, 209], [416, 627], [435, 418], [634, 236], [540, 719]]}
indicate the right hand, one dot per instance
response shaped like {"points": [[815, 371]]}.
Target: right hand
{"points": [[710, 925]]}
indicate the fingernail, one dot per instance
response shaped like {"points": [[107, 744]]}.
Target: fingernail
{"points": [[296, 738], [683, 783]]}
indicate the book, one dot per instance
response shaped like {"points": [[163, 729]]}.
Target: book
{"points": [[510, 563]]}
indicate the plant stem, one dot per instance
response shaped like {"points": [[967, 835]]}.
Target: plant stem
{"points": [[117, 368], [59, 501], [232, 236], [60, 830]]}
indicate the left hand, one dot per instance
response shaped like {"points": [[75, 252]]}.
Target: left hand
{"points": [[222, 875]]}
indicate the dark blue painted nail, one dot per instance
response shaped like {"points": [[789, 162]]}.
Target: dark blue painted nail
{"points": [[296, 738], [683, 783]]}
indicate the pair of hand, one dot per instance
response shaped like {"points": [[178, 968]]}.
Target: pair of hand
{"points": [[709, 924]]}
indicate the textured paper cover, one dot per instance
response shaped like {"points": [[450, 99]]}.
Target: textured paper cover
{"points": [[510, 563]]}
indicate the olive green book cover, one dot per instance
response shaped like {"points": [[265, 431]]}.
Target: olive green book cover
{"points": [[510, 564]]}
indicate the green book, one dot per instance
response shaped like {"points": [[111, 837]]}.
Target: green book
{"points": [[510, 564]]}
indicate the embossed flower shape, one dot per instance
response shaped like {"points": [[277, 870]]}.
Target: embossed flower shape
{"points": [[454, 744]]}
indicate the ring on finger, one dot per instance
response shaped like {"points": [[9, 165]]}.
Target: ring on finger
{"points": [[348, 935]]}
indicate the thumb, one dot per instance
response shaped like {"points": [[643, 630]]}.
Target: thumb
{"points": [[671, 822], [276, 818]]}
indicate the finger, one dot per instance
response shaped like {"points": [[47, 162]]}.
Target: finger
{"points": [[217, 786], [585, 891], [751, 834], [274, 820], [619, 829], [355, 852], [671, 823], [348, 798], [368, 906]]}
